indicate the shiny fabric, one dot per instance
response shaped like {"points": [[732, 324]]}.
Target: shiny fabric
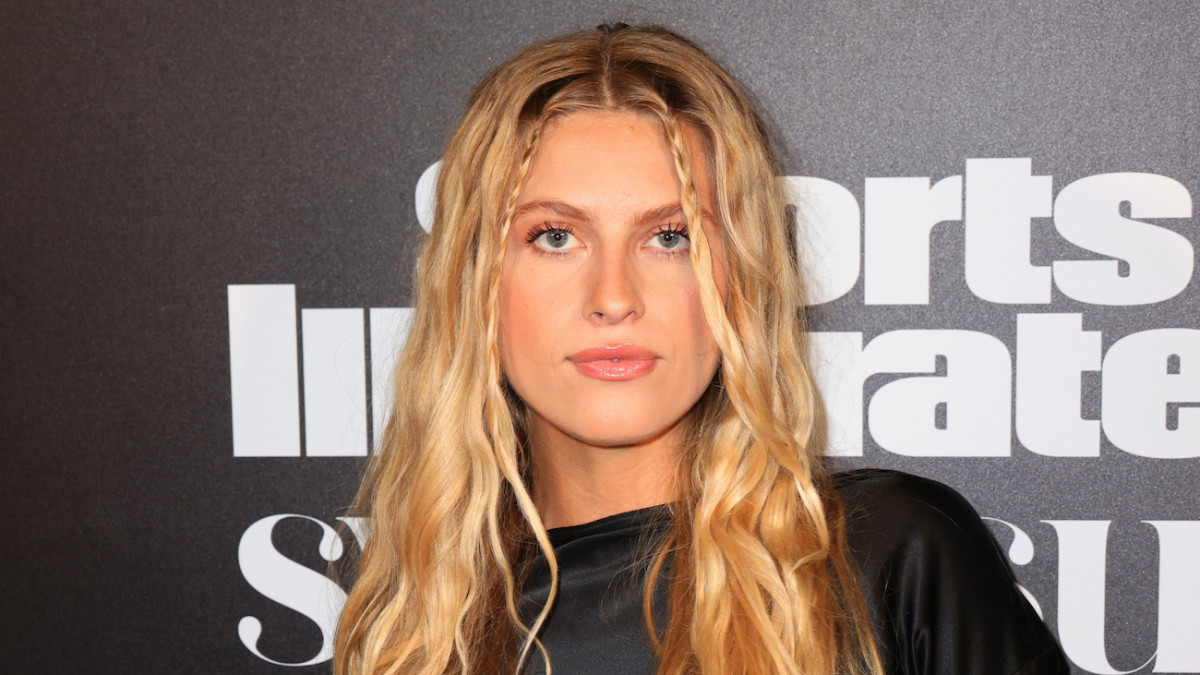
{"points": [[941, 597]]}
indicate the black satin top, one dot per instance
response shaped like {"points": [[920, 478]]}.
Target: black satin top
{"points": [[941, 597]]}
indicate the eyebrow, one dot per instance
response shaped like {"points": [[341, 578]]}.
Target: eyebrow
{"points": [[565, 210], [556, 207]]}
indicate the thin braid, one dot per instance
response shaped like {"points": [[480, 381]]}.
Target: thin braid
{"points": [[700, 249], [500, 425], [756, 401], [731, 347], [786, 451]]}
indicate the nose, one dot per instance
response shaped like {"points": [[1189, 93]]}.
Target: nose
{"points": [[613, 294]]}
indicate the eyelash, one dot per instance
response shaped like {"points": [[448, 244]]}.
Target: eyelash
{"points": [[543, 229], [537, 232], [673, 228]]}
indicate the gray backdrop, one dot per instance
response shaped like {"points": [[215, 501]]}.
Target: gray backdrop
{"points": [[172, 173]]}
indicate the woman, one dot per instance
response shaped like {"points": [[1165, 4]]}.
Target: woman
{"points": [[605, 451]]}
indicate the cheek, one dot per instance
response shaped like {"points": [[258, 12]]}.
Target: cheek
{"points": [[689, 314], [716, 243], [525, 323], [706, 354], [513, 320], [691, 291]]}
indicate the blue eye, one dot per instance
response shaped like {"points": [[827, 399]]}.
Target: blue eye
{"points": [[671, 239], [552, 238]]}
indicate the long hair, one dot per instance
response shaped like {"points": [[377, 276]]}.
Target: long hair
{"points": [[758, 574]]}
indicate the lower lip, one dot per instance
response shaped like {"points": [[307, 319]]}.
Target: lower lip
{"points": [[624, 369]]}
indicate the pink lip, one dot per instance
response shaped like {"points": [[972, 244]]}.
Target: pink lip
{"points": [[614, 362]]}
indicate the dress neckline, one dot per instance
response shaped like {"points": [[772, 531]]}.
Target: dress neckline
{"points": [[636, 519]]}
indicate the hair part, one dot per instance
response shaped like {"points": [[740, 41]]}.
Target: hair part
{"points": [[758, 574]]}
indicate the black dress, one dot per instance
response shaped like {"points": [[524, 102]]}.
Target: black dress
{"points": [[941, 597]]}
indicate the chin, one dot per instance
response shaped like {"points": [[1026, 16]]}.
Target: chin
{"points": [[617, 440], [609, 433]]}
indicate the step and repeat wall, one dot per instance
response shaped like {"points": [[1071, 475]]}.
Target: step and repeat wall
{"points": [[211, 213]]}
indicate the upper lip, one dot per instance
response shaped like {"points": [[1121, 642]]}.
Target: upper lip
{"points": [[622, 352]]}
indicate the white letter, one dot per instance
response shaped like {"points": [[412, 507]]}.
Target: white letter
{"points": [[900, 214], [1002, 197], [828, 236], [976, 392], [357, 525], [1081, 567], [1087, 214], [263, 370], [335, 383], [426, 195], [389, 330], [1052, 352], [290, 584], [835, 363], [1178, 596], [1141, 400]]}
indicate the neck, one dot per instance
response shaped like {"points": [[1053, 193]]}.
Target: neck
{"points": [[576, 482]]}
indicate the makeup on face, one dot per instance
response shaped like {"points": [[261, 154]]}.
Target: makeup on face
{"points": [[615, 362], [602, 332]]}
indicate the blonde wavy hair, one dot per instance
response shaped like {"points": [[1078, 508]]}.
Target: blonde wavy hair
{"points": [[758, 573]]}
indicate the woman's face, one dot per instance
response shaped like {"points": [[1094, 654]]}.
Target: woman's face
{"points": [[601, 330]]}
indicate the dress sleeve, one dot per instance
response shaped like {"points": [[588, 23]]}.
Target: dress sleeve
{"points": [[941, 596]]}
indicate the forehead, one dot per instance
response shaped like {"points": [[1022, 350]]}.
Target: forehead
{"points": [[602, 156]]}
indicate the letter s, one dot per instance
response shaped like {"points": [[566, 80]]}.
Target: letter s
{"points": [[1087, 214], [290, 584]]}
